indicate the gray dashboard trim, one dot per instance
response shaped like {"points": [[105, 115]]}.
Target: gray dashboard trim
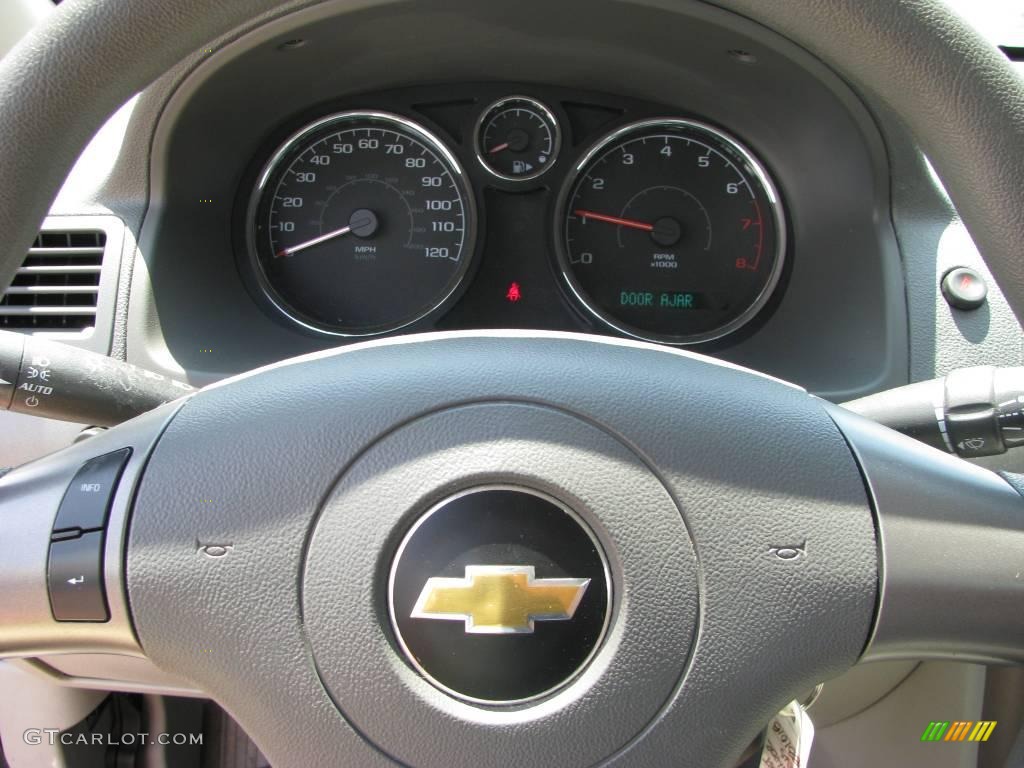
{"points": [[106, 672]]}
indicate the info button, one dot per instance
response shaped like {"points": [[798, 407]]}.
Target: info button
{"points": [[86, 502]]}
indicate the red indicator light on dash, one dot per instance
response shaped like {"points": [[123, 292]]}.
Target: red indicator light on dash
{"points": [[514, 293]]}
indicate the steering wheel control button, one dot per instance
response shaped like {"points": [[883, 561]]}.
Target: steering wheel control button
{"points": [[75, 578], [964, 288], [86, 502], [499, 595]]}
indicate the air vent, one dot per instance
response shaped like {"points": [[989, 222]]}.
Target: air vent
{"points": [[57, 285]]}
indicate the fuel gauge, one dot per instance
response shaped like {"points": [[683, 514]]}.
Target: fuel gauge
{"points": [[517, 138]]}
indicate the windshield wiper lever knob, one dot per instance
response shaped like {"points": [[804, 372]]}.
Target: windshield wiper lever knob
{"points": [[58, 381], [971, 412]]}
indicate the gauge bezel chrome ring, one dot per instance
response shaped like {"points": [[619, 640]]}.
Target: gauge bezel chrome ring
{"points": [[402, 123], [753, 166], [556, 137]]}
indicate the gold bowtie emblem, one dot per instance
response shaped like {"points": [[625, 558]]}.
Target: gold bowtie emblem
{"points": [[499, 599]]}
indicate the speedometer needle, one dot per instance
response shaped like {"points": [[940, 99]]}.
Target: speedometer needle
{"points": [[310, 243], [362, 223], [633, 223]]}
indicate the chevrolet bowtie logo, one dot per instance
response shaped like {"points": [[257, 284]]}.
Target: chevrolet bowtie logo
{"points": [[499, 599]]}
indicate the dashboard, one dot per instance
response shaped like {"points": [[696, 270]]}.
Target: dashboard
{"points": [[713, 193]]}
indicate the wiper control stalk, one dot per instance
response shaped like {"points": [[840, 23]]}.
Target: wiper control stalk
{"points": [[971, 412], [57, 381]]}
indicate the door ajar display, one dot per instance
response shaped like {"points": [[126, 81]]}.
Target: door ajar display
{"points": [[671, 231], [361, 223]]}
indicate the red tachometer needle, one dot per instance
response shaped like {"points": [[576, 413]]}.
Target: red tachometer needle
{"points": [[642, 225], [499, 148]]}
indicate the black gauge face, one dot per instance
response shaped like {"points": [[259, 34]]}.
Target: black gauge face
{"points": [[362, 224], [671, 232], [517, 138]]}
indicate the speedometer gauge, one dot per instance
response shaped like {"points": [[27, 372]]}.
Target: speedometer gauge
{"points": [[362, 223], [671, 231]]}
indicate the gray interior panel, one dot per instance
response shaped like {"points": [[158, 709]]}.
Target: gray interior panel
{"points": [[933, 240], [108, 672], [889, 733], [30, 703], [860, 688]]}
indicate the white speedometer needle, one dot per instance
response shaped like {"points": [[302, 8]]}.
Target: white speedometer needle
{"points": [[315, 241]]}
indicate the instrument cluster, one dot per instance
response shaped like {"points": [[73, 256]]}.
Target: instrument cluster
{"points": [[517, 207]]}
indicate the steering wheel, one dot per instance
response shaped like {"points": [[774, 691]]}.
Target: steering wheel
{"points": [[519, 548]]}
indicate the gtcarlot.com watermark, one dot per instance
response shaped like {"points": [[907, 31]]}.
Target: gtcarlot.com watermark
{"points": [[53, 736]]}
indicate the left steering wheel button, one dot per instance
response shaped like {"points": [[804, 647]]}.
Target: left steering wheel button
{"points": [[86, 502], [75, 579]]}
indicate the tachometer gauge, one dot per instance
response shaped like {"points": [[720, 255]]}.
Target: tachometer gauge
{"points": [[517, 138], [671, 231], [361, 223]]}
